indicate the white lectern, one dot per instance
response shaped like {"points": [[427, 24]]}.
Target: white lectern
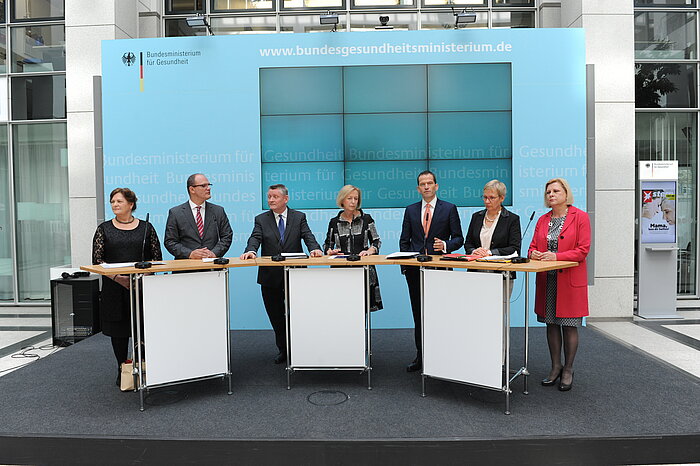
{"points": [[328, 319]]}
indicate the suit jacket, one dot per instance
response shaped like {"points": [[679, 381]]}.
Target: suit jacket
{"points": [[444, 225], [506, 237], [182, 236], [266, 234], [574, 245]]}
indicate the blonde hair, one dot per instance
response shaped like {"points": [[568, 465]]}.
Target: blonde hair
{"points": [[345, 192], [497, 186], [565, 185]]}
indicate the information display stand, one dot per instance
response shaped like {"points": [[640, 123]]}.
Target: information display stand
{"points": [[658, 240]]}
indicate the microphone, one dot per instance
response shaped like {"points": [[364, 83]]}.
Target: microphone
{"points": [[528, 225], [423, 256], [351, 256], [144, 264], [523, 260]]}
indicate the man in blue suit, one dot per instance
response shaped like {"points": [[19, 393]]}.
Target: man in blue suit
{"points": [[278, 230], [430, 226]]}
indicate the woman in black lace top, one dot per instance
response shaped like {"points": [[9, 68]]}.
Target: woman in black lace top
{"points": [[121, 240], [353, 232]]}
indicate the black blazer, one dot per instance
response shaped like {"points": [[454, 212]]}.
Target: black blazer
{"points": [[266, 234], [506, 237], [444, 225], [182, 236]]}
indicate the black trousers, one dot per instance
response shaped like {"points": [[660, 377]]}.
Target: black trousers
{"points": [[273, 297], [412, 275]]}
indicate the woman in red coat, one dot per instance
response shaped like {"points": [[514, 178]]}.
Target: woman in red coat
{"points": [[561, 300]]}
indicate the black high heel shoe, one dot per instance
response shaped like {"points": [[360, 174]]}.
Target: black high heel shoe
{"points": [[565, 387], [546, 382]]}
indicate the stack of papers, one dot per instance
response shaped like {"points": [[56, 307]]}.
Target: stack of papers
{"points": [[498, 258], [402, 255], [294, 255], [118, 265], [458, 257]]}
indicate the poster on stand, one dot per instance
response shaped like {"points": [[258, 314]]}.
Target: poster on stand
{"points": [[658, 212]]}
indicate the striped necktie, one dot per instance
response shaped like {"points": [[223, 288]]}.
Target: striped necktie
{"points": [[200, 223]]}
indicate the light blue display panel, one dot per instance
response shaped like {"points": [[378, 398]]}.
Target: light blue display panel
{"points": [[388, 113], [316, 111]]}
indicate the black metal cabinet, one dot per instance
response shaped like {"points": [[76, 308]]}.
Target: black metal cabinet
{"points": [[75, 304]]}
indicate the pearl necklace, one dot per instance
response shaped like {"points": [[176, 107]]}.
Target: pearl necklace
{"points": [[492, 219]]}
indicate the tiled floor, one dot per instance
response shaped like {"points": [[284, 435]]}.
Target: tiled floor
{"points": [[25, 335], [676, 342]]}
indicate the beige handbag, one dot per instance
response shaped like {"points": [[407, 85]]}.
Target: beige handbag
{"points": [[127, 379]]}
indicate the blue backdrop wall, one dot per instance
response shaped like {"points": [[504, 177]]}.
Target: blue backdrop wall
{"points": [[316, 111]]}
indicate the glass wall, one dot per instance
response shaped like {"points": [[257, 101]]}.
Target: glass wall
{"points": [[41, 193], [666, 77], [237, 17], [34, 233], [6, 269]]}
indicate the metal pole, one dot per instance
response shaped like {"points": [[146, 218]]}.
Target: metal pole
{"points": [[368, 329], [286, 319], [526, 373], [138, 343], [422, 330], [228, 332], [422, 321], [132, 307], [507, 343]]}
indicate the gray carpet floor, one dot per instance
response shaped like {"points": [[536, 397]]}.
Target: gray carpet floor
{"points": [[617, 392]]}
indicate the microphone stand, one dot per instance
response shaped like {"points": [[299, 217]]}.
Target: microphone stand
{"points": [[144, 264], [423, 256], [352, 257], [523, 260]]}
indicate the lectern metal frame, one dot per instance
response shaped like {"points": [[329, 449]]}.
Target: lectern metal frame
{"points": [[367, 367], [507, 378], [140, 378]]}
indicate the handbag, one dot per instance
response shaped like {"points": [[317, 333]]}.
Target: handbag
{"points": [[126, 382]]}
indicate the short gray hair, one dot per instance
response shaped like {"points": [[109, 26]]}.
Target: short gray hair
{"points": [[498, 186], [281, 187]]}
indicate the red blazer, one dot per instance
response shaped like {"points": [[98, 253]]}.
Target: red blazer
{"points": [[572, 283]]}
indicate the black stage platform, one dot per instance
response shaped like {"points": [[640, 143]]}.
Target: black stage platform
{"points": [[624, 408]]}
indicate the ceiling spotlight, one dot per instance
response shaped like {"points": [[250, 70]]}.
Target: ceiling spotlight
{"points": [[198, 21], [463, 17], [383, 23], [330, 18]]}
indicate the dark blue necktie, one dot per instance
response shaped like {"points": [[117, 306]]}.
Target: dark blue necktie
{"points": [[280, 226]]}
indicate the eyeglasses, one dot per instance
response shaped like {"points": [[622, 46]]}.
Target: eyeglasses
{"points": [[490, 198], [203, 185]]}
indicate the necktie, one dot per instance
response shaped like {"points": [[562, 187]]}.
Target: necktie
{"points": [[427, 219], [200, 223], [280, 226]]}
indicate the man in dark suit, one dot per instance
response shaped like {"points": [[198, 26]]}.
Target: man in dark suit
{"points": [[197, 228], [430, 226], [278, 230]]}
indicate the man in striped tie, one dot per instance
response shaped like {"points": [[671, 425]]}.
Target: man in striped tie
{"points": [[197, 228]]}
